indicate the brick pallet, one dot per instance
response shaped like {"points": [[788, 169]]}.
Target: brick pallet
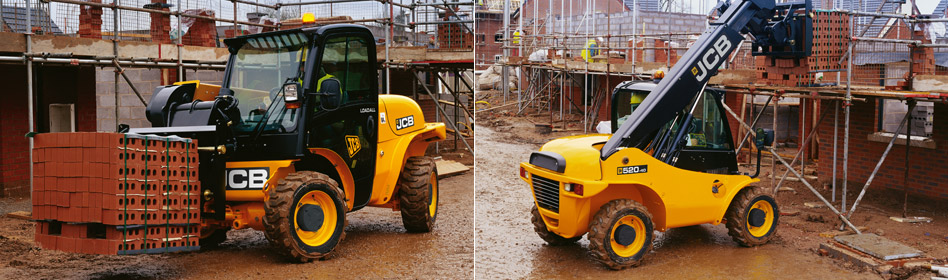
{"points": [[830, 42], [454, 36], [110, 193]]}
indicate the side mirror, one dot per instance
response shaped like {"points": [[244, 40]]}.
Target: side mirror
{"points": [[765, 137], [331, 92]]}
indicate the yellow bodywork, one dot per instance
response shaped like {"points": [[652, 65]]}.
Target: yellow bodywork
{"points": [[675, 197], [397, 145], [203, 92]]}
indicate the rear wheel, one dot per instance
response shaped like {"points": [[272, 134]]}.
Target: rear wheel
{"points": [[551, 238], [305, 215], [752, 217], [418, 194], [620, 234]]}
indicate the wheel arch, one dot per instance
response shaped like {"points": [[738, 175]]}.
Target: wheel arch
{"points": [[328, 162], [740, 187], [394, 153], [638, 192]]}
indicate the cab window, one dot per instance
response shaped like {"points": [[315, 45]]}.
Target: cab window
{"points": [[626, 102], [707, 129], [346, 59]]}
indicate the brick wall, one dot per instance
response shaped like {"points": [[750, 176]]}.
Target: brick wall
{"points": [[160, 23], [14, 157], [202, 31], [53, 85], [927, 175], [90, 21]]}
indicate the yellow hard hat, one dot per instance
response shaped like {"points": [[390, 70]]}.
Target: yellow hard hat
{"points": [[637, 97]]}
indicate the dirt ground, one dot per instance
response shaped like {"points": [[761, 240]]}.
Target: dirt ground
{"points": [[376, 246], [507, 246]]}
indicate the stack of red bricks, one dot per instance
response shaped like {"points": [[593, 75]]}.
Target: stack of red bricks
{"points": [[160, 23], [923, 57], [455, 35], [783, 71], [203, 32], [110, 193], [90, 21], [830, 42]]}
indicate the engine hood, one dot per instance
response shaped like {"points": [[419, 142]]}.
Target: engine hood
{"points": [[580, 154]]}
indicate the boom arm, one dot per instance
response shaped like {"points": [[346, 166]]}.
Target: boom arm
{"points": [[693, 71]]}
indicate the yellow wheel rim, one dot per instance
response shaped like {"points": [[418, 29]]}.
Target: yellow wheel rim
{"points": [[326, 230], [627, 251], [763, 229], [433, 204]]}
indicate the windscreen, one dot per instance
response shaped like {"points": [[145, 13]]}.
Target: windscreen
{"points": [[260, 69]]}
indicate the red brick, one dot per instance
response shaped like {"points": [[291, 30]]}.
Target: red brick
{"points": [[74, 230]]}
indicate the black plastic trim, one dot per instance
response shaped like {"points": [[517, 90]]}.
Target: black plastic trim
{"points": [[548, 160]]}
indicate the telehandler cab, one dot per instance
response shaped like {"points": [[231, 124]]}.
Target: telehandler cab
{"points": [[670, 162], [298, 135]]}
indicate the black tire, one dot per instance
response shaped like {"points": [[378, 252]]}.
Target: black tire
{"points": [[418, 194], [281, 221], [551, 238], [741, 223], [214, 238], [603, 230]]}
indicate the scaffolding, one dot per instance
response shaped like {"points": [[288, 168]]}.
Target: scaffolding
{"points": [[184, 35], [877, 57]]}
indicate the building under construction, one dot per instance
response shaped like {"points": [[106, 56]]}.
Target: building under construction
{"points": [[91, 65], [841, 115]]}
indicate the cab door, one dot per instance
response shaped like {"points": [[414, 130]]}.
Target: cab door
{"points": [[349, 129], [708, 145]]}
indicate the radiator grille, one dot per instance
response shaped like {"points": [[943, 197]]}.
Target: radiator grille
{"points": [[547, 193]]}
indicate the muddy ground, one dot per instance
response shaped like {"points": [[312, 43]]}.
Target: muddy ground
{"points": [[376, 246], [507, 246]]}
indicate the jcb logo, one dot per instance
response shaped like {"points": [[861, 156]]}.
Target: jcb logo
{"points": [[353, 144], [404, 122], [623, 170], [710, 60], [247, 178]]}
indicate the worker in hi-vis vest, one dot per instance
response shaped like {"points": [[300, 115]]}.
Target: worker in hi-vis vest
{"points": [[516, 42], [591, 49]]}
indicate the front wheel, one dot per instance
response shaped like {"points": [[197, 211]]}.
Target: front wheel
{"points": [[212, 237], [620, 234], [418, 194], [305, 215], [752, 217]]}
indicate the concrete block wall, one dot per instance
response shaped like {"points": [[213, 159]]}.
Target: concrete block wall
{"points": [[621, 23], [131, 111], [927, 166]]}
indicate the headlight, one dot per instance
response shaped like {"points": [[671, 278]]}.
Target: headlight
{"points": [[290, 93]]}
